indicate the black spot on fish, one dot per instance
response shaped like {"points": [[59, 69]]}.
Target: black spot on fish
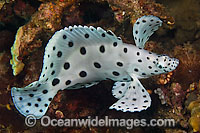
{"points": [[59, 54], [125, 50], [68, 82], [125, 79], [115, 44], [50, 99], [97, 65], [134, 99], [144, 74], [82, 74], [110, 33], [102, 49], [36, 105], [83, 50], [51, 65], [119, 38], [86, 35], [119, 64], [66, 65], [39, 99], [70, 44], [31, 95], [150, 67], [144, 21], [45, 91], [64, 36], [136, 70], [55, 81], [103, 35], [29, 104], [115, 73], [53, 72]]}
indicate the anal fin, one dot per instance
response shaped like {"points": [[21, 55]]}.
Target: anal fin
{"points": [[136, 98], [119, 89]]}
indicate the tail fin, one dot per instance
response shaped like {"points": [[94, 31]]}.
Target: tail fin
{"points": [[33, 99]]}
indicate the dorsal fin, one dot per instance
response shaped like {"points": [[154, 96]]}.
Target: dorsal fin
{"points": [[66, 41], [143, 28]]}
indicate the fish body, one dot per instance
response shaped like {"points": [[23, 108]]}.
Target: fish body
{"points": [[81, 56]]}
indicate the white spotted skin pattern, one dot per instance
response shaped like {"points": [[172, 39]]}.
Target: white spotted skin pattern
{"points": [[80, 56], [125, 59]]}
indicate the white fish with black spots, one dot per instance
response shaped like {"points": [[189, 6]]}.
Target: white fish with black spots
{"points": [[78, 56]]}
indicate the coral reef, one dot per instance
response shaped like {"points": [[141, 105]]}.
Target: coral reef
{"points": [[187, 24], [6, 39], [137, 8], [35, 21], [48, 19], [173, 95], [188, 70], [194, 108], [179, 96], [30, 36]]}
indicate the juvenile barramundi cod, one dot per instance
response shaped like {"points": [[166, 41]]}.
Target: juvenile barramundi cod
{"points": [[82, 56]]}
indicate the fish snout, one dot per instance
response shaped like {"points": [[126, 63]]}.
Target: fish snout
{"points": [[176, 62]]}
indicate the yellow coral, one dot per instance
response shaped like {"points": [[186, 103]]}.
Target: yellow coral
{"points": [[194, 121], [17, 65]]}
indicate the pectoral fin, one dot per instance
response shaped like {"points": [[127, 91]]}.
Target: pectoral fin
{"points": [[135, 98]]}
